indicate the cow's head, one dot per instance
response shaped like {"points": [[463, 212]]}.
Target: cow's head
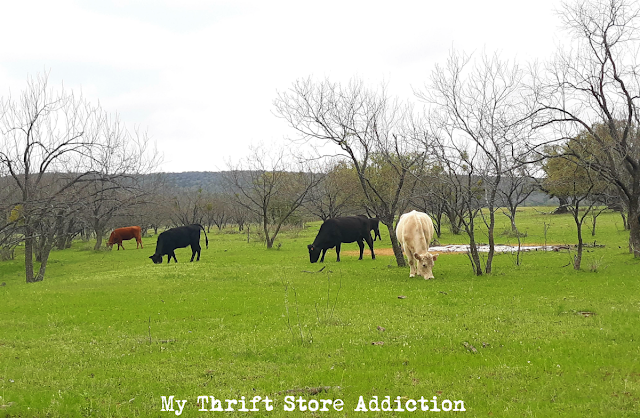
{"points": [[156, 258], [109, 244], [314, 253], [424, 264]]}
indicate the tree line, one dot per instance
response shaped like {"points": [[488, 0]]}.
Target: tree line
{"points": [[487, 122], [480, 135]]}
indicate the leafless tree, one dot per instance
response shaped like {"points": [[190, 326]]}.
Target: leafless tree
{"points": [[217, 210], [153, 209], [270, 187], [53, 143], [432, 196], [518, 184], [117, 184], [477, 115], [334, 195], [375, 133], [240, 216], [10, 217], [144, 205], [187, 206], [571, 178], [594, 86]]}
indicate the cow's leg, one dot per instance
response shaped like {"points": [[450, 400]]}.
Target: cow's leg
{"points": [[370, 244], [338, 250], [324, 251], [195, 248], [361, 245], [412, 264]]}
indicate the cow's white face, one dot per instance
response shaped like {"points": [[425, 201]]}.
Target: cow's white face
{"points": [[424, 264]]}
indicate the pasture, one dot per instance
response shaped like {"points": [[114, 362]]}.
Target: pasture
{"points": [[108, 333]]}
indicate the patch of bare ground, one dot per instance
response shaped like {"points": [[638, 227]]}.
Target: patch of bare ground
{"points": [[463, 248]]}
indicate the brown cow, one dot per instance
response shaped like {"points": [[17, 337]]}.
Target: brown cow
{"points": [[123, 234]]}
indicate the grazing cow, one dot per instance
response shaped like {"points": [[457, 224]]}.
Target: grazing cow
{"points": [[123, 234], [414, 232], [373, 226], [179, 237], [333, 232]]}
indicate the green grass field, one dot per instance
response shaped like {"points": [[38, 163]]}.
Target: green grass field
{"points": [[109, 333]]}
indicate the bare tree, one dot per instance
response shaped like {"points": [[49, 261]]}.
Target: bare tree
{"points": [[477, 113], [595, 86], [375, 133], [116, 186], [435, 196], [270, 187], [10, 217], [187, 206], [518, 184], [240, 216], [52, 143], [334, 195], [217, 210], [567, 176]]}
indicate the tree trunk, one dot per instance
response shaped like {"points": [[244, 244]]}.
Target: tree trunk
{"points": [[454, 221], [512, 218], [492, 240], [28, 253], [39, 248], [43, 263], [397, 251], [563, 208], [625, 224], [453, 224], [474, 256], [438, 225], [265, 228], [578, 258], [61, 242], [634, 229], [99, 234]]}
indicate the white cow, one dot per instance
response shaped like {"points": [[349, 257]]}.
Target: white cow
{"points": [[415, 232]]}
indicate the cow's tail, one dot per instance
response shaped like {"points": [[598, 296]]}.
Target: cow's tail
{"points": [[206, 240]]}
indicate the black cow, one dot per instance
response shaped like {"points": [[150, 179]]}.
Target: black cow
{"points": [[333, 232], [373, 226], [179, 237]]}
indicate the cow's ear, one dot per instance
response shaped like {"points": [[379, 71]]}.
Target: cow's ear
{"points": [[310, 246], [435, 257], [417, 256]]}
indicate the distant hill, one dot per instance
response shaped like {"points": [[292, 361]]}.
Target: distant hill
{"points": [[210, 181]]}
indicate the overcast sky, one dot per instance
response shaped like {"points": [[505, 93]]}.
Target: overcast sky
{"points": [[200, 76]]}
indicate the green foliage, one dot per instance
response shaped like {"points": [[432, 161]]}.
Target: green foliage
{"points": [[15, 214], [570, 176], [109, 333]]}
